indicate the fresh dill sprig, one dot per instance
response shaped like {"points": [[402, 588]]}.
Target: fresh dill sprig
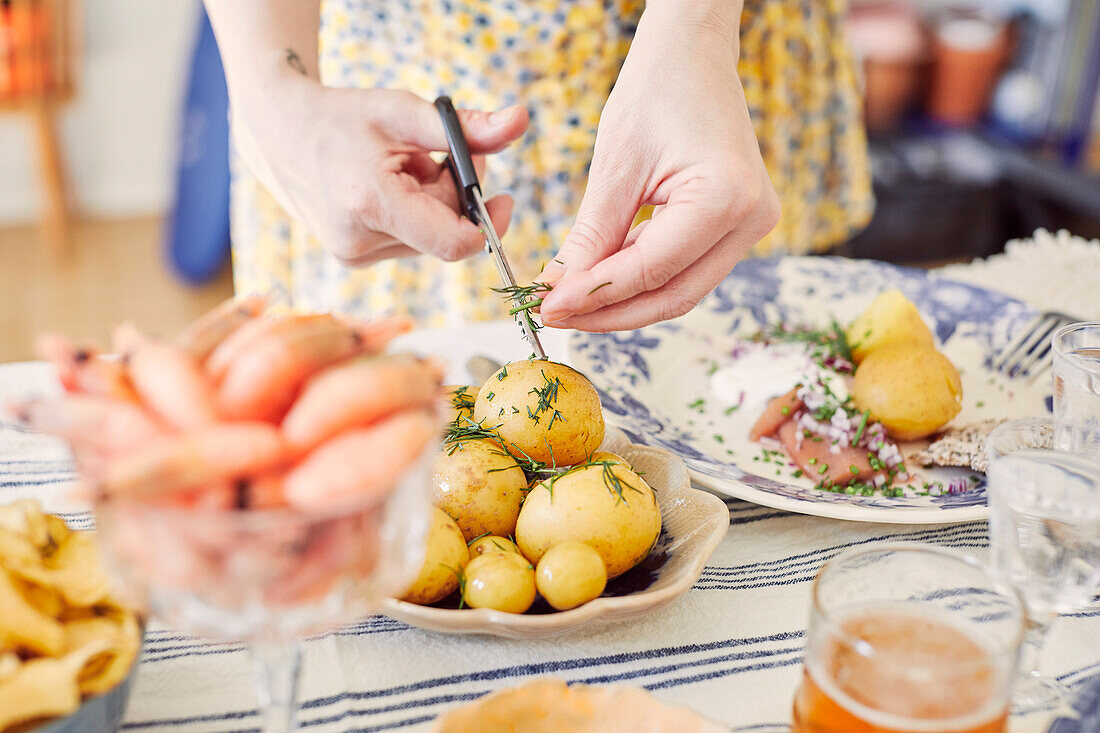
{"points": [[524, 298], [614, 483], [826, 345], [461, 399]]}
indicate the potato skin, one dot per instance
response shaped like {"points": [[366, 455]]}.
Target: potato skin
{"points": [[563, 433], [580, 506], [570, 574], [460, 401], [480, 485], [911, 389], [504, 581], [890, 319], [446, 555], [492, 543]]}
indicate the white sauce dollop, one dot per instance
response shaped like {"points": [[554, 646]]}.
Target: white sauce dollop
{"points": [[760, 372]]}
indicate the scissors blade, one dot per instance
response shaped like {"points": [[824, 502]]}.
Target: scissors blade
{"points": [[496, 250]]}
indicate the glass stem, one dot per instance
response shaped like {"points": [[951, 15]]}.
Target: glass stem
{"points": [[275, 668], [1033, 646]]}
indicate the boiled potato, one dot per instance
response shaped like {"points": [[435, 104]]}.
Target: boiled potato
{"points": [[569, 574], [911, 389], [890, 319], [460, 399], [606, 455], [609, 508], [543, 410], [503, 581], [479, 484], [492, 543], [444, 559]]}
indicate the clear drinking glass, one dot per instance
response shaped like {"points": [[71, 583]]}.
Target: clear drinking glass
{"points": [[268, 577], [1044, 529], [1076, 355], [909, 638]]}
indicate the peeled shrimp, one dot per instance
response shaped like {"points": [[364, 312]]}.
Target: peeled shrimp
{"points": [[261, 383], [90, 422], [213, 453], [169, 381], [211, 329], [358, 393], [361, 464], [82, 370]]}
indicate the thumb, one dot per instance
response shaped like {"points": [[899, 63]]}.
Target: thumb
{"points": [[410, 119]]}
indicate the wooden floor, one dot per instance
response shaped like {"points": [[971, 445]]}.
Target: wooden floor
{"points": [[114, 272]]}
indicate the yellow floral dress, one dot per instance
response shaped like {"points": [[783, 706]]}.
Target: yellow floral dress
{"points": [[560, 58]]}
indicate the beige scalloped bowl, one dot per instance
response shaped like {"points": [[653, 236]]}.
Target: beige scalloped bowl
{"points": [[693, 523]]}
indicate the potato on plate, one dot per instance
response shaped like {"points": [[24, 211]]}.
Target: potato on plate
{"points": [[604, 505], [890, 319], [503, 581], [543, 410], [480, 485], [492, 543], [911, 389], [444, 559], [569, 574]]}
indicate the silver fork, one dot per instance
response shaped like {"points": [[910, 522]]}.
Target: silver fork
{"points": [[1028, 355]]}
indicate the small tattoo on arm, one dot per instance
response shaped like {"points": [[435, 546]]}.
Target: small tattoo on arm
{"points": [[295, 62]]}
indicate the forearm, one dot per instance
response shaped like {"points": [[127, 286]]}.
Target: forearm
{"points": [[265, 45], [684, 18]]}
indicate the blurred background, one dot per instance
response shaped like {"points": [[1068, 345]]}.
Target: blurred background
{"points": [[983, 119]]}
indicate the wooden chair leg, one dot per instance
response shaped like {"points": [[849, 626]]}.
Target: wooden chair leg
{"points": [[55, 219]]}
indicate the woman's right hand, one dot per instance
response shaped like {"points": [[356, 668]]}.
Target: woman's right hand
{"points": [[354, 166]]}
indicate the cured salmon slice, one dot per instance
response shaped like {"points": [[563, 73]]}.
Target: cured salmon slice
{"points": [[775, 415], [812, 456]]}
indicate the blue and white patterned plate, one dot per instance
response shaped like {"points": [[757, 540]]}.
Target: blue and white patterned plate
{"points": [[655, 382]]}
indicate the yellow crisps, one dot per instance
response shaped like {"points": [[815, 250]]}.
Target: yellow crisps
{"points": [[62, 635], [105, 670], [25, 518], [9, 664], [22, 626], [17, 549], [72, 568], [45, 686], [46, 601]]}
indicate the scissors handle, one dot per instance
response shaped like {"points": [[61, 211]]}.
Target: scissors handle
{"points": [[459, 161]]}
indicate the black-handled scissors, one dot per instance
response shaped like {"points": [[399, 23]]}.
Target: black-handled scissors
{"points": [[461, 165]]}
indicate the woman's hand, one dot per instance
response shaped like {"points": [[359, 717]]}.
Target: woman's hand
{"points": [[675, 133], [353, 165]]}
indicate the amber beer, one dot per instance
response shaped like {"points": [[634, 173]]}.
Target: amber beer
{"points": [[899, 670]]}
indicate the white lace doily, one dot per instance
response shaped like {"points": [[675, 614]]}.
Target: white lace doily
{"points": [[1056, 272]]}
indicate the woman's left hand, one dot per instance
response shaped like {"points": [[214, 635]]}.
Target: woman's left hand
{"points": [[675, 133]]}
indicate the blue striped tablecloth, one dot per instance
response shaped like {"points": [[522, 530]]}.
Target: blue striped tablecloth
{"points": [[730, 648]]}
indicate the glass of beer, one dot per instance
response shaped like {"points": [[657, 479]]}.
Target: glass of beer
{"points": [[909, 638]]}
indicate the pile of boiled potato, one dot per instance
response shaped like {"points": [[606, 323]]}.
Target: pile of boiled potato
{"points": [[905, 383], [525, 503]]}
